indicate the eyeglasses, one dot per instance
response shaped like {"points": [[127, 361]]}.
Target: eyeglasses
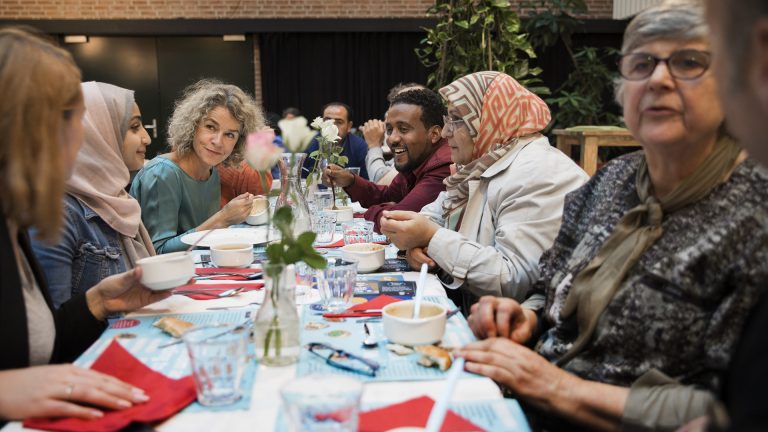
{"points": [[343, 360], [451, 123], [685, 64]]}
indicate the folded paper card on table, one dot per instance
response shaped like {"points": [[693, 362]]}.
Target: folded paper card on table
{"points": [[143, 340], [347, 334], [401, 289], [166, 396]]}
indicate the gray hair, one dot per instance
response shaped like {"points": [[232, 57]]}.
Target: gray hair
{"points": [[681, 20], [201, 98]]}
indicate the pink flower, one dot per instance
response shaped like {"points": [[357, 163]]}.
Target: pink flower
{"points": [[260, 150]]}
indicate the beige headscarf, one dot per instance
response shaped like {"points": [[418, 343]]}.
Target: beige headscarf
{"points": [[594, 287], [100, 175], [499, 110]]}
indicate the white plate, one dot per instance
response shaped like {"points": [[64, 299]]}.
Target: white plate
{"points": [[256, 235]]}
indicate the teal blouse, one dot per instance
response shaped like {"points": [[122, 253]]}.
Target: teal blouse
{"points": [[172, 202]]}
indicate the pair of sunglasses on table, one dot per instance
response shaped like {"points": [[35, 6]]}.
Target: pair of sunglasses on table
{"points": [[341, 359]]}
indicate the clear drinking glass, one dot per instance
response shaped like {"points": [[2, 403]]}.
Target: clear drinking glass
{"points": [[218, 354], [336, 284], [323, 199], [357, 231], [325, 227], [322, 403]]}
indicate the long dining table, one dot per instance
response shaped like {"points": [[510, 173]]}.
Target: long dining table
{"points": [[264, 409]]}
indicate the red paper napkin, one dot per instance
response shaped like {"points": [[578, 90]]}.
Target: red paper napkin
{"points": [[213, 271], [337, 244], [374, 303], [411, 413], [215, 289], [166, 396]]}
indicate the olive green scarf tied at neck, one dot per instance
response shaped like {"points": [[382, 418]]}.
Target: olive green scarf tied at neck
{"points": [[594, 287]]}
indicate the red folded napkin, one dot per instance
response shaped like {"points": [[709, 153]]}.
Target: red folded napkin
{"points": [[411, 413], [356, 310], [215, 289], [166, 396], [337, 244], [213, 272]]}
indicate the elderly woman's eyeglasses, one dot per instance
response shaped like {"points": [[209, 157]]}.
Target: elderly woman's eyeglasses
{"points": [[684, 64], [452, 123], [343, 360]]}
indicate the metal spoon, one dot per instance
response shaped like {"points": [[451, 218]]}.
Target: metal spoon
{"points": [[218, 275], [232, 307], [227, 293], [370, 341]]}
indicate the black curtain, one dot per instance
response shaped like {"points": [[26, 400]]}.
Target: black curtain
{"points": [[308, 70]]}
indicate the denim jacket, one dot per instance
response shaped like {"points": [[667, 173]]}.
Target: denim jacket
{"points": [[87, 251]]}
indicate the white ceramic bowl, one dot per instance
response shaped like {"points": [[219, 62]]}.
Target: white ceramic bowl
{"points": [[343, 213], [400, 326], [166, 271], [231, 254], [259, 211], [369, 256]]}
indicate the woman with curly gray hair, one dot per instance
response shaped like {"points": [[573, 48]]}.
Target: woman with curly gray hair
{"points": [[179, 192]]}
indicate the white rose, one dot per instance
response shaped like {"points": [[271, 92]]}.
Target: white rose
{"points": [[296, 134], [317, 123], [330, 132]]}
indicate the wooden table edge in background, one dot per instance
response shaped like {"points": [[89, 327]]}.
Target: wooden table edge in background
{"points": [[590, 141]]}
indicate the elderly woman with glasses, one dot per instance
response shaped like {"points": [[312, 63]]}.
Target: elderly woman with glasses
{"points": [[502, 206], [659, 260]]}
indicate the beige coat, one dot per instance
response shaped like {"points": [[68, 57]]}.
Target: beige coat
{"points": [[512, 216]]}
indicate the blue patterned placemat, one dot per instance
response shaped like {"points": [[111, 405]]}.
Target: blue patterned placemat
{"points": [[142, 339], [348, 334]]}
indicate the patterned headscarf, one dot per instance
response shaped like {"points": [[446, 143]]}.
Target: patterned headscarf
{"points": [[498, 111]]}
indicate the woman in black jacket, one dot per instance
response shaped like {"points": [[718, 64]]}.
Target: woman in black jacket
{"points": [[41, 114]]}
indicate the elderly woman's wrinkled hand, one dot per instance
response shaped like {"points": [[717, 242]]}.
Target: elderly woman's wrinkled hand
{"points": [[335, 175], [517, 367], [501, 317], [407, 229], [235, 211], [63, 391], [418, 256], [121, 293]]}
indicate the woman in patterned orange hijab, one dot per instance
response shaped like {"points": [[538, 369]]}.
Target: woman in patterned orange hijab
{"points": [[503, 203], [494, 110]]}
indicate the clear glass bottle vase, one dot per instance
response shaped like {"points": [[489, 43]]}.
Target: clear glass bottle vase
{"points": [[291, 193], [276, 326]]}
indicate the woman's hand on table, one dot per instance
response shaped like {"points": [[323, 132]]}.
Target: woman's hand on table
{"points": [[418, 256], [407, 229], [236, 210], [335, 175], [121, 293], [520, 369], [501, 317], [63, 391]]}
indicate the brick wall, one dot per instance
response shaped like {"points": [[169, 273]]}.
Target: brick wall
{"points": [[223, 9]]}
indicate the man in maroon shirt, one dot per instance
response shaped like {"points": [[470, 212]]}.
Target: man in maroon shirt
{"points": [[422, 158]]}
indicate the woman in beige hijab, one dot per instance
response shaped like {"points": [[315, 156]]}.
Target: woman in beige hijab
{"points": [[102, 233]]}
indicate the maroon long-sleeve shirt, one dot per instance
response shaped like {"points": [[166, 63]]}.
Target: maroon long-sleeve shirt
{"points": [[408, 191]]}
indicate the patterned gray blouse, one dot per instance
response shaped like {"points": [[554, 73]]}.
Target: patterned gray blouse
{"points": [[682, 307]]}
